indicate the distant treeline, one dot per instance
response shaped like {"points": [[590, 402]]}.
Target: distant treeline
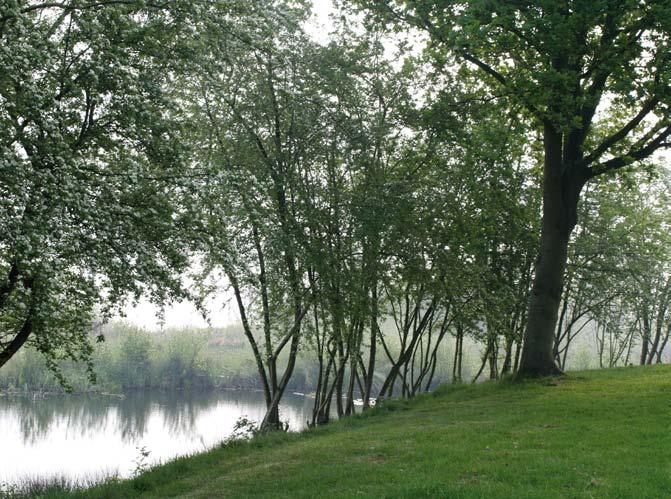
{"points": [[132, 358]]}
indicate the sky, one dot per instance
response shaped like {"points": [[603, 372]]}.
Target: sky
{"points": [[319, 27], [221, 310]]}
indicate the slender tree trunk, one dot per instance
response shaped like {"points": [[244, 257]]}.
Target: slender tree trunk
{"points": [[368, 389], [660, 301], [646, 338], [493, 359], [655, 344], [250, 338], [485, 358], [406, 352], [320, 361], [349, 404], [518, 353], [562, 317], [340, 379], [508, 357], [456, 366], [433, 360], [661, 350], [272, 417]]}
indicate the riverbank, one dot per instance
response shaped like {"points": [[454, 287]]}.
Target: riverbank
{"points": [[590, 434]]}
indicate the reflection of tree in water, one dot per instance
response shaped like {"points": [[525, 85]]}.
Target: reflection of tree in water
{"points": [[83, 416], [133, 412], [180, 410], [80, 415]]}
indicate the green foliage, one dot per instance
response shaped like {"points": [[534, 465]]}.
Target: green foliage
{"points": [[364, 202], [130, 358], [86, 140], [590, 78]]}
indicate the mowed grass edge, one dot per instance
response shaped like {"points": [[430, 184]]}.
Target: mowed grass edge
{"points": [[589, 434]]}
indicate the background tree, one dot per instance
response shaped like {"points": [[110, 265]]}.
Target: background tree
{"points": [[618, 270], [254, 95]]}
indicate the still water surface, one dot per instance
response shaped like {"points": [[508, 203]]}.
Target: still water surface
{"points": [[80, 437]]}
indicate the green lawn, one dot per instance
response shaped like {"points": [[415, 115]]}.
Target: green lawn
{"points": [[591, 434]]}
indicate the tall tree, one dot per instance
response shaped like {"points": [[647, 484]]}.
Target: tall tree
{"points": [[593, 76], [260, 133]]}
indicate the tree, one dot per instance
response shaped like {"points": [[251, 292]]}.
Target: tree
{"points": [[618, 270], [253, 96], [88, 151], [370, 178], [594, 78]]}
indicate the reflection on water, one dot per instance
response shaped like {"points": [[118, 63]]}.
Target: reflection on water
{"points": [[81, 437]]}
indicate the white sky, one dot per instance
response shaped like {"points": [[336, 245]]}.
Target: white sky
{"points": [[222, 311], [320, 25]]}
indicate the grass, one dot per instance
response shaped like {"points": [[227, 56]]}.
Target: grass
{"points": [[591, 434]]}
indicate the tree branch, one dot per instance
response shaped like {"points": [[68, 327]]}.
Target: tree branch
{"points": [[632, 156], [622, 133]]}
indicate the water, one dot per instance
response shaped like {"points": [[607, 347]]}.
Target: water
{"points": [[81, 438]]}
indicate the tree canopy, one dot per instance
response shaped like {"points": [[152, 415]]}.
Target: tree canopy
{"points": [[366, 201], [88, 137]]}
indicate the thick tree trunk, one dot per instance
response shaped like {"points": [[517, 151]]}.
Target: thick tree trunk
{"points": [[561, 190], [17, 342], [22, 335]]}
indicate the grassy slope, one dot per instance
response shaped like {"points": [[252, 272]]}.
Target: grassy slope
{"points": [[592, 434]]}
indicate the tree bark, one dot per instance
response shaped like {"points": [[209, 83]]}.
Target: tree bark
{"points": [[18, 341], [561, 190], [458, 354], [374, 334]]}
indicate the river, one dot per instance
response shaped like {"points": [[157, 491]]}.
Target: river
{"points": [[85, 438]]}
